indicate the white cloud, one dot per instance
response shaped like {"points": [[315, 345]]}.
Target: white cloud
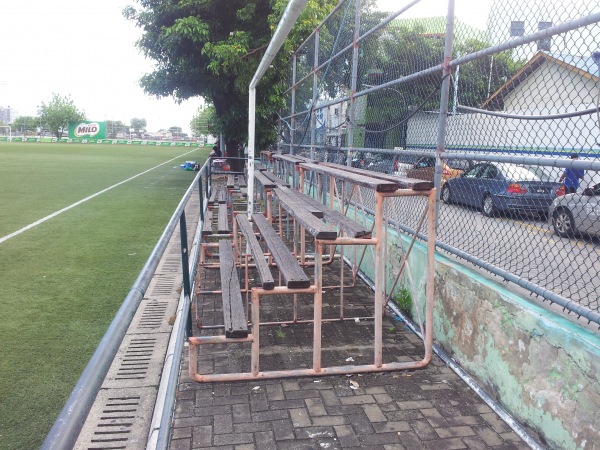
{"points": [[84, 49]]}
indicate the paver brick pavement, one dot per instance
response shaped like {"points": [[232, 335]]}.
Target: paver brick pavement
{"points": [[421, 409]]}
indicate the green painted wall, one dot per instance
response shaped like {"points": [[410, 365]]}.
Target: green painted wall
{"points": [[542, 368]]}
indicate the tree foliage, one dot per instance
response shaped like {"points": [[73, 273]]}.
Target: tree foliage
{"points": [[211, 49], [114, 127], [405, 49], [205, 121], [138, 124], [58, 112], [26, 123]]}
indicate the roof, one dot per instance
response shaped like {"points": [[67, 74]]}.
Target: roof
{"points": [[583, 66]]}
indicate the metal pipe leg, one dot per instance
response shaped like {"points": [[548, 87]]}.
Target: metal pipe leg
{"points": [[254, 363], [318, 307], [379, 281]]}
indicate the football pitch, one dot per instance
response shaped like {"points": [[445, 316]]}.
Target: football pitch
{"points": [[77, 224]]}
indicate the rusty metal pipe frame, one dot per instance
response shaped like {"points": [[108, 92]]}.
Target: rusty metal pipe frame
{"points": [[336, 370], [317, 370], [294, 322], [253, 338]]}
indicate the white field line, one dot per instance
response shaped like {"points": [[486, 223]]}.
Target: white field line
{"points": [[56, 213]]}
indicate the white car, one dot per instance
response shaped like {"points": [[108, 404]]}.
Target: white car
{"points": [[576, 214]]}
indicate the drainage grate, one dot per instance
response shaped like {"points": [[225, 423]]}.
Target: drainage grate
{"points": [[164, 285], [153, 316], [119, 419], [138, 362], [171, 264]]}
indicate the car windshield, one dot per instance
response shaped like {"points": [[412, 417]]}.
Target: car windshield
{"points": [[458, 164], [514, 172]]}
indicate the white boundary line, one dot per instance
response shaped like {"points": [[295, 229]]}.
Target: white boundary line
{"points": [[54, 214]]}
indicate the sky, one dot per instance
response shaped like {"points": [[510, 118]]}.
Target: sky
{"points": [[85, 49]]}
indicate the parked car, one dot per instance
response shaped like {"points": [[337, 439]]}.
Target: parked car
{"points": [[496, 187], [424, 169], [381, 163], [576, 214]]}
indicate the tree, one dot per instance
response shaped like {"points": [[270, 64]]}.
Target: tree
{"points": [[138, 124], [114, 127], [176, 131], [211, 48], [204, 122], [26, 123], [58, 112]]}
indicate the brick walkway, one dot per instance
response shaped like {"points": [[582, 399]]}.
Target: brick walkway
{"points": [[430, 408]]}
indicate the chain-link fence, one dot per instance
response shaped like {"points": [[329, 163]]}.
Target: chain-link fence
{"points": [[502, 116]]}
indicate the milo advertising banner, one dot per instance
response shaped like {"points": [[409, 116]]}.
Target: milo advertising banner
{"points": [[87, 130]]}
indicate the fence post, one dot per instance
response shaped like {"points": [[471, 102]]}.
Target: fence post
{"points": [[293, 105], [201, 197], [353, 83], [444, 99], [315, 96], [185, 265]]}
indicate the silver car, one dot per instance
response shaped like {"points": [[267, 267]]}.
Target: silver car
{"points": [[576, 214]]}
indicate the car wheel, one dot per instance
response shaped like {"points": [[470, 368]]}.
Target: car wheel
{"points": [[563, 223], [487, 206], [445, 195]]}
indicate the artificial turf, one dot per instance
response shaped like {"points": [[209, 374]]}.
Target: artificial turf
{"points": [[63, 280]]}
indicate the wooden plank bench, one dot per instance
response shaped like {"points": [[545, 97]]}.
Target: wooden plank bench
{"points": [[223, 224], [222, 196], [275, 179], [265, 182], [264, 273], [312, 224], [289, 194], [207, 225], [404, 182], [233, 306], [347, 225], [218, 195], [230, 181], [377, 184], [293, 275]]}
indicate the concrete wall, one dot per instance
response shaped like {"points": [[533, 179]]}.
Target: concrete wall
{"points": [[542, 368]]}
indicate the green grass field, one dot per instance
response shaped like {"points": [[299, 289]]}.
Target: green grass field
{"points": [[63, 280]]}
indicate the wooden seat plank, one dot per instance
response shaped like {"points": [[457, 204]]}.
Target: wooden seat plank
{"points": [[347, 225], [287, 158], [233, 305], [263, 180], [207, 225], [404, 182], [213, 197], [222, 196], [313, 225], [293, 275], [264, 273], [223, 224], [315, 211], [275, 179], [230, 181], [370, 182]]}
